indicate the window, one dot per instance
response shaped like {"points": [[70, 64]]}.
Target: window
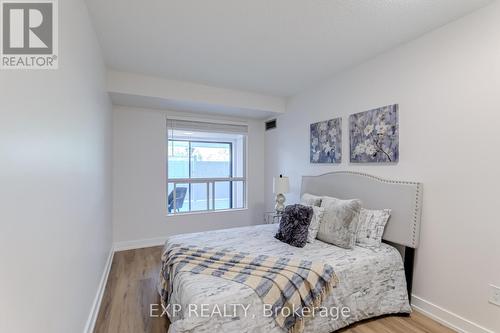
{"points": [[206, 166]]}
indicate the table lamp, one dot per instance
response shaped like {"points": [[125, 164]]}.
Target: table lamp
{"points": [[280, 186]]}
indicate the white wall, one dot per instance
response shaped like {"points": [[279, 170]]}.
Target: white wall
{"points": [[184, 94], [139, 178], [55, 184], [447, 84]]}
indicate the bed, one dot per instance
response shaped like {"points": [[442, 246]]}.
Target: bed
{"points": [[372, 282]]}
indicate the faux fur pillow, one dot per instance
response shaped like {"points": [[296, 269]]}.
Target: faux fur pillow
{"points": [[371, 227], [294, 225], [310, 200], [340, 222]]}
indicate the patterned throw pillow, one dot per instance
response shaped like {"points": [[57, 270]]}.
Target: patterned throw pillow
{"points": [[310, 200], [318, 213], [294, 225], [340, 222], [371, 227]]}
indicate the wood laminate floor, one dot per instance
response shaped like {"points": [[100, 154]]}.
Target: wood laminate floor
{"points": [[131, 288]]}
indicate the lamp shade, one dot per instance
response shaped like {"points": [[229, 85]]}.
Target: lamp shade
{"points": [[280, 185]]}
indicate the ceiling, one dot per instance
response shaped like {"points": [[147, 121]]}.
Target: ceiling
{"points": [[276, 47]]}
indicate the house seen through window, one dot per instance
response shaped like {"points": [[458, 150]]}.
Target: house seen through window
{"points": [[206, 166]]}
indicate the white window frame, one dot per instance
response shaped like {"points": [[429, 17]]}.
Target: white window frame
{"points": [[210, 182]]}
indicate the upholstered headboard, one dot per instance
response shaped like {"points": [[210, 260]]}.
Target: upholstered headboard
{"points": [[402, 197]]}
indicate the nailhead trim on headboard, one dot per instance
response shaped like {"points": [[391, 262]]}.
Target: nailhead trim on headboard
{"points": [[418, 193], [417, 212]]}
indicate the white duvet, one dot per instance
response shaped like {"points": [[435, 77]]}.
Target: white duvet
{"points": [[371, 283]]}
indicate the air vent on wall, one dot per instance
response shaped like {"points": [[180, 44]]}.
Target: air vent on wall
{"points": [[270, 124]]}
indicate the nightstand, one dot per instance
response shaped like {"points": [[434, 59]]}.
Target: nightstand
{"points": [[272, 217]]}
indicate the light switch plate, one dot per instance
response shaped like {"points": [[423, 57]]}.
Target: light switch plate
{"points": [[495, 295]]}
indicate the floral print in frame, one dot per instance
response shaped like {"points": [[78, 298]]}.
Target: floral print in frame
{"points": [[326, 141], [374, 135]]}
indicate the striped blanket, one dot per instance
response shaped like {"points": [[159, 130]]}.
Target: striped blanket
{"points": [[290, 288]]}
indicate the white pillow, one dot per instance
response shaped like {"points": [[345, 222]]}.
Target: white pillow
{"points": [[310, 200], [312, 231], [371, 227]]}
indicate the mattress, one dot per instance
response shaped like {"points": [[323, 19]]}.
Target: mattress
{"points": [[371, 283]]}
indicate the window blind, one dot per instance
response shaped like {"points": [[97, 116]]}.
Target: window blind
{"points": [[201, 126]]}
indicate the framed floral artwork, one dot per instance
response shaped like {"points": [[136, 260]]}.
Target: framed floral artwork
{"points": [[374, 135], [326, 141]]}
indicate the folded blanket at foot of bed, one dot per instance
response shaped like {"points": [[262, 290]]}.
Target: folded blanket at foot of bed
{"points": [[289, 288]]}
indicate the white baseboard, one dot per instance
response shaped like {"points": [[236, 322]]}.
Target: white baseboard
{"points": [[445, 317], [139, 244], [94, 311]]}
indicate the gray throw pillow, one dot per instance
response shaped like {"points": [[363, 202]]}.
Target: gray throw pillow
{"points": [[294, 225], [340, 222], [310, 200], [371, 227]]}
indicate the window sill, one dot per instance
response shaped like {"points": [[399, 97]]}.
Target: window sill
{"points": [[203, 212]]}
